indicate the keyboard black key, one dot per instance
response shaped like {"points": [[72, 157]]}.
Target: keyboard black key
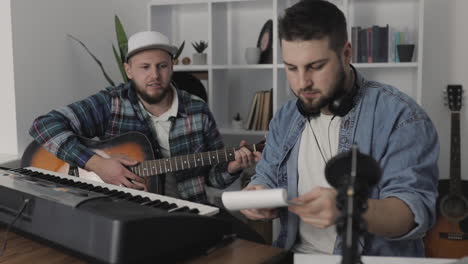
{"points": [[182, 209]]}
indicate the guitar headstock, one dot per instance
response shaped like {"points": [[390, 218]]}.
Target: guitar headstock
{"points": [[454, 95]]}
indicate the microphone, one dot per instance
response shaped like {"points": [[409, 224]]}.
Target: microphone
{"points": [[352, 174], [338, 170]]}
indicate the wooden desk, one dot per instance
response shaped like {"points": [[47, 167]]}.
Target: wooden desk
{"points": [[24, 250]]}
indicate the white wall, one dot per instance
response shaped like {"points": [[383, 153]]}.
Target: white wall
{"points": [[8, 140], [445, 62], [52, 70]]}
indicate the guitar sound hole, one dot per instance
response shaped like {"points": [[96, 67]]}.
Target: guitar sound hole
{"points": [[454, 207]]}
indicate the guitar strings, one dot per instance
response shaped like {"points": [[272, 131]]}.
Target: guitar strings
{"points": [[190, 158]]}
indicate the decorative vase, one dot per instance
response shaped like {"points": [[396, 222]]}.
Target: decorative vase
{"points": [[199, 58], [252, 55], [237, 124], [405, 52], [186, 61]]}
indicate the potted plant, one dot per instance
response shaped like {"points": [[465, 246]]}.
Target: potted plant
{"points": [[237, 121], [200, 56]]}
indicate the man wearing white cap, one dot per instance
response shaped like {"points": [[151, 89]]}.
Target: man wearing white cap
{"points": [[176, 123]]}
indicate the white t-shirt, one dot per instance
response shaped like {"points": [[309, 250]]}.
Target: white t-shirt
{"points": [[162, 125], [314, 151]]}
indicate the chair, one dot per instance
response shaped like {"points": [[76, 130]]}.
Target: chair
{"points": [[187, 82]]}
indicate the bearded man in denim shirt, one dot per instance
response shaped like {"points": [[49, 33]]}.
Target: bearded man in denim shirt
{"points": [[335, 108]]}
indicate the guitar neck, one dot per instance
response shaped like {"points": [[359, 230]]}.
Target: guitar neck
{"points": [[455, 166], [191, 161]]}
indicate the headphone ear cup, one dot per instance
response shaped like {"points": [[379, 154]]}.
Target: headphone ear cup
{"points": [[341, 105]]}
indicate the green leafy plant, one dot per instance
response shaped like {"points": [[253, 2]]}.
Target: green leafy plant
{"points": [[179, 50], [122, 41], [119, 54], [200, 46]]}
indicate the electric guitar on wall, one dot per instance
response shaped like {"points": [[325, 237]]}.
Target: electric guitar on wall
{"points": [[449, 237], [133, 145]]}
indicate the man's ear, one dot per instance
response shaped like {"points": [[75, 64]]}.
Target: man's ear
{"points": [[128, 70], [348, 53]]}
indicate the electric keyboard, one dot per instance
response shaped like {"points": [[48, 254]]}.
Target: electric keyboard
{"points": [[106, 223]]}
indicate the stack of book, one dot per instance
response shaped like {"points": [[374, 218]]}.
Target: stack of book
{"points": [[376, 44], [261, 111], [370, 44]]}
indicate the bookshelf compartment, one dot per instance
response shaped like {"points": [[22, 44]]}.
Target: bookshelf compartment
{"points": [[182, 22], [234, 91], [236, 26], [367, 13], [398, 13]]}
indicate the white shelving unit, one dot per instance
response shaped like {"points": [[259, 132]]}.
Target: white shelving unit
{"points": [[230, 26]]}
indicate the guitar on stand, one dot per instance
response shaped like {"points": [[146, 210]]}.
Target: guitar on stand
{"points": [[449, 237]]}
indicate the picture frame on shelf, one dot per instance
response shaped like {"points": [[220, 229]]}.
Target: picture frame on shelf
{"points": [[265, 43]]}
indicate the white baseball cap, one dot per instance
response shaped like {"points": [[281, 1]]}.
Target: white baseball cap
{"points": [[146, 40]]}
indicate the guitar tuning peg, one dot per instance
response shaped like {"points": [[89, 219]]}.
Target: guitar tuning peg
{"points": [[444, 91], [445, 104]]}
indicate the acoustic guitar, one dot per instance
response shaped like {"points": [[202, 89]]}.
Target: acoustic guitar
{"points": [[449, 237], [133, 145]]}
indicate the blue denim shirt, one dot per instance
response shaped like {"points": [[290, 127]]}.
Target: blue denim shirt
{"points": [[395, 131]]}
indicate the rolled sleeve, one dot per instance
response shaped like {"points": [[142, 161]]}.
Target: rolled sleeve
{"points": [[411, 173], [422, 214]]}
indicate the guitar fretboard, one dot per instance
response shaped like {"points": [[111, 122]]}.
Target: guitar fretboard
{"points": [[160, 166], [455, 165]]}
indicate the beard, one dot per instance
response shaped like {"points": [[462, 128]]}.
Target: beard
{"points": [[315, 105], [154, 98]]}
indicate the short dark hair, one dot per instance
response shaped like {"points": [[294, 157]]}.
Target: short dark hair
{"points": [[314, 20]]}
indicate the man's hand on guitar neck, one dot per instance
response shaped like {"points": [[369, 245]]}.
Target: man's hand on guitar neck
{"points": [[244, 159], [112, 170]]}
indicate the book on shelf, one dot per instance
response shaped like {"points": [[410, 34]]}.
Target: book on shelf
{"points": [[267, 109], [354, 43], [261, 111], [253, 107]]}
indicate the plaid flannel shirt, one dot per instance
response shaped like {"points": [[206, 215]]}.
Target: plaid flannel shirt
{"points": [[115, 111]]}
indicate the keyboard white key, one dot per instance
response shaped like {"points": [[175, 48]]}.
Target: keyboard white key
{"points": [[203, 209]]}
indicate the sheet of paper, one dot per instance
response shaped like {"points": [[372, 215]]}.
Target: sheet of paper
{"points": [[255, 199]]}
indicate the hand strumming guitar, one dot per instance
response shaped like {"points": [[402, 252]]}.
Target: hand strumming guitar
{"points": [[112, 170]]}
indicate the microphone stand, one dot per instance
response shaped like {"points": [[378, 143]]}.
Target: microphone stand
{"points": [[351, 225]]}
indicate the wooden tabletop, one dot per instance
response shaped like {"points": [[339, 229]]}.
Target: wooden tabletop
{"points": [[20, 250], [239, 251]]}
